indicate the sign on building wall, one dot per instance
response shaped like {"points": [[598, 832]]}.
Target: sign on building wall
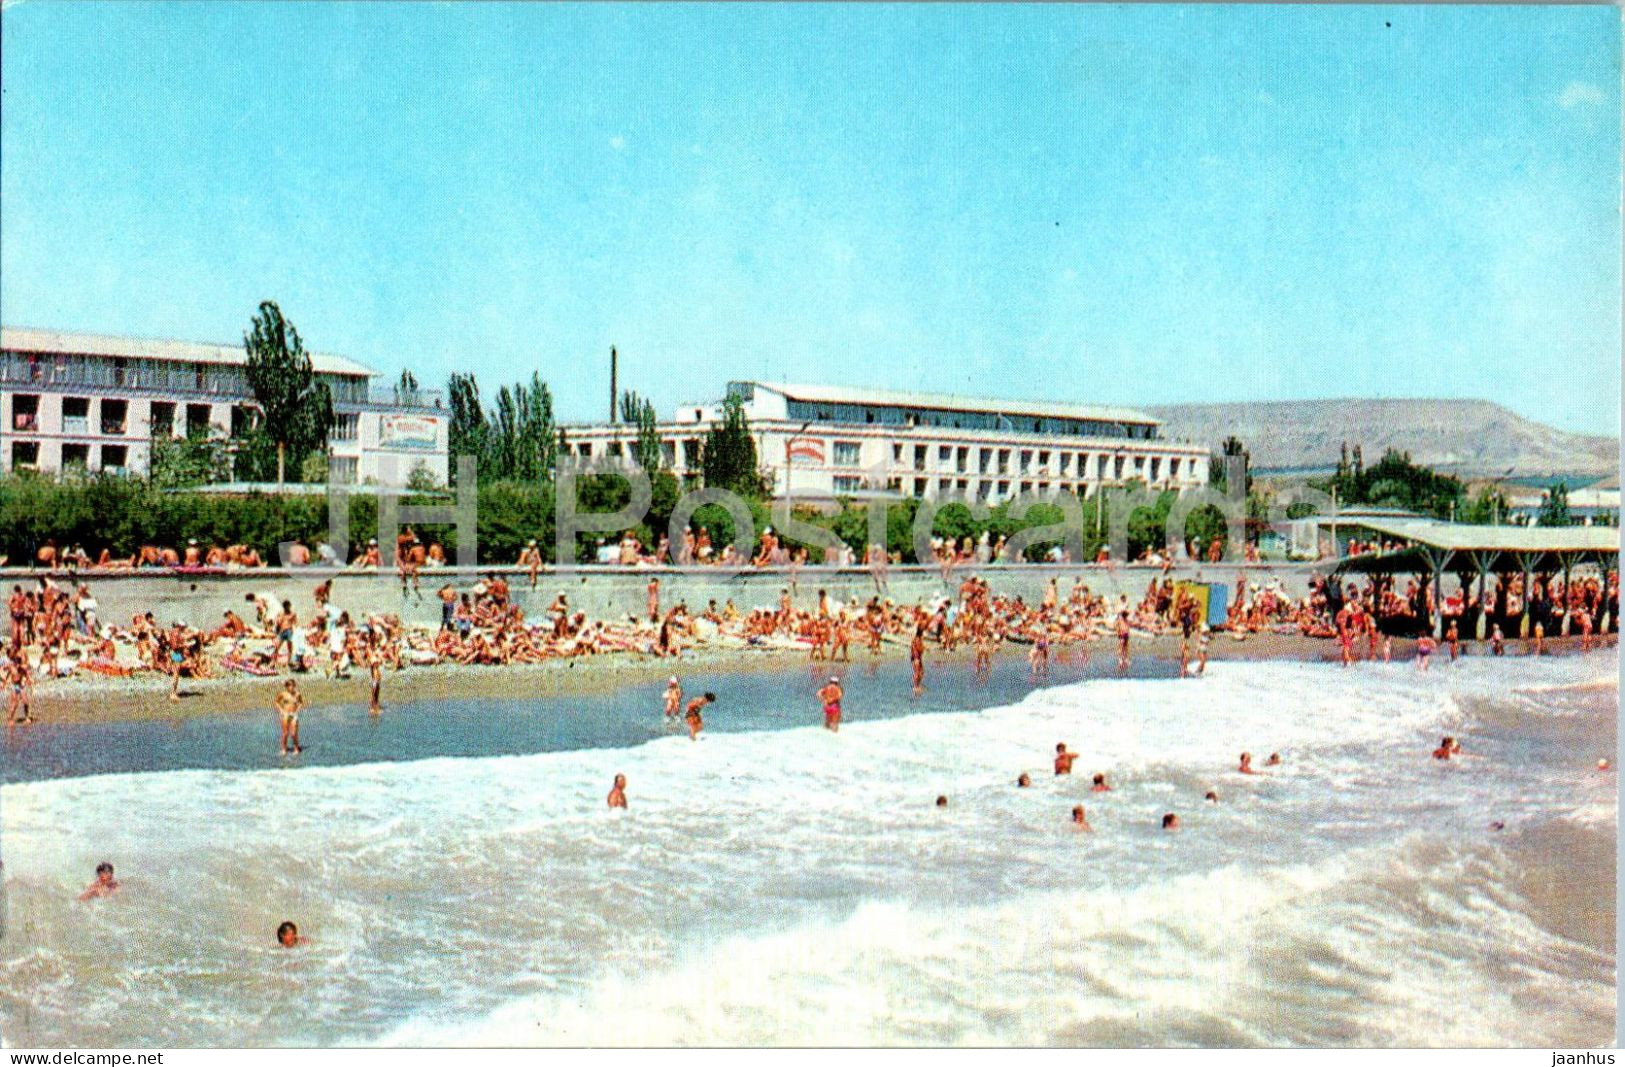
{"points": [[808, 450], [407, 431]]}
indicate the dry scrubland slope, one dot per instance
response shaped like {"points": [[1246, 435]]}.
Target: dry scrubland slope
{"points": [[1471, 437]]}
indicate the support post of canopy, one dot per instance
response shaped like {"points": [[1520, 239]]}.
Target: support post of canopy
{"points": [[1483, 559], [1438, 559]]}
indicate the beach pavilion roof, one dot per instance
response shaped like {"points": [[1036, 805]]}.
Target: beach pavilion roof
{"points": [[1436, 545]]}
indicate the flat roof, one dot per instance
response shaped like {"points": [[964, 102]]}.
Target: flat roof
{"points": [[62, 342], [1541, 541], [838, 394]]}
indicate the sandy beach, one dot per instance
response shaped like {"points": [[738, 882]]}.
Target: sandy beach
{"points": [[86, 697]]}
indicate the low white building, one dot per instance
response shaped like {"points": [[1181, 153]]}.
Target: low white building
{"points": [[818, 442], [95, 403]]}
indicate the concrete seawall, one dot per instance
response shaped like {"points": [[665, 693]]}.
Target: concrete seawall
{"points": [[200, 600]]}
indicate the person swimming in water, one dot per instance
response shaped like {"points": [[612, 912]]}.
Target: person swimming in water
{"points": [[287, 935], [942, 801], [1100, 785], [1024, 780], [105, 884], [1448, 747], [1170, 822], [1080, 820], [1212, 796], [695, 722], [1246, 764], [1274, 760], [1064, 759], [617, 792]]}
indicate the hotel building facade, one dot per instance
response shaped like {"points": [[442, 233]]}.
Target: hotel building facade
{"points": [[77, 401], [818, 442]]}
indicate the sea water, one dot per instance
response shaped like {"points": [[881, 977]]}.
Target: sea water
{"points": [[789, 885]]}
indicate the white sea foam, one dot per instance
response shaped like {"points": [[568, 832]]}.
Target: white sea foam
{"points": [[800, 887]]}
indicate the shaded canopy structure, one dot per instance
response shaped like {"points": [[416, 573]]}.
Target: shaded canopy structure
{"points": [[1435, 548]]}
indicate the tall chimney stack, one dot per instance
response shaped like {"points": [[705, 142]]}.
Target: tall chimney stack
{"points": [[614, 373]]}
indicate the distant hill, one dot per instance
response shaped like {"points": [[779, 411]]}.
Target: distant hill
{"points": [[1465, 437]]}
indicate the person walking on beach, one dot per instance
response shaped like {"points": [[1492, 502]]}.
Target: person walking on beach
{"points": [[19, 683], [695, 722], [374, 655], [289, 702], [831, 695], [530, 558], [285, 625], [1497, 641], [673, 699], [1038, 656], [617, 792], [653, 599], [1122, 640], [916, 658], [1452, 637]]}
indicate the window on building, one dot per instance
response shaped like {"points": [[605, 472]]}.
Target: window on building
{"points": [[1066, 463], [919, 457], [668, 453], [75, 457], [1026, 460], [984, 457], [25, 455], [897, 455], [848, 453], [945, 455], [200, 376], [121, 372], [1173, 468], [848, 483], [1156, 467], [115, 416], [341, 470], [691, 452], [1118, 467], [197, 418], [346, 424], [25, 412], [919, 486], [115, 458], [161, 419], [944, 484], [894, 485], [1043, 459], [585, 449], [613, 449], [1004, 488], [76, 414], [1004, 461]]}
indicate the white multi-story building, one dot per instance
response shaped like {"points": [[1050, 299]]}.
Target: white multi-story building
{"points": [[85, 401], [818, 442]]}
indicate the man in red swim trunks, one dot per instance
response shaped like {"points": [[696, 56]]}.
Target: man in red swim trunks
{"points": [[831, 695]]}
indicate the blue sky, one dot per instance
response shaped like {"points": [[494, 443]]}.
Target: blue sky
{"points": [[1118, 205]]}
